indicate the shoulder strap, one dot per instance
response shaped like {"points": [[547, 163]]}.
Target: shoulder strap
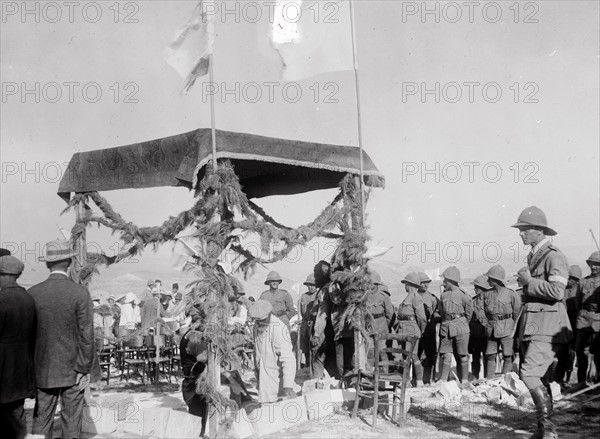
{"points": [[542, 257]]}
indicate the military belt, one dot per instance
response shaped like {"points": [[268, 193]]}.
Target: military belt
{"points": [[405, 317], [449, 317], [537, 300], [378, 315], [497, 317]]}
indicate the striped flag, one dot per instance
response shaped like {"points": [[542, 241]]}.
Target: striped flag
{"points": [[312, 37], [189, 52]]}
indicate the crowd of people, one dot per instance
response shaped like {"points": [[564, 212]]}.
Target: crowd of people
{"points": [[121, 317], [47, 333]]}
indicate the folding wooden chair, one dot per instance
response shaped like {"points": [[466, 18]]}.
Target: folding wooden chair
{"points": [[386, 378], [135, 360], [163, 363], [105, 356]]}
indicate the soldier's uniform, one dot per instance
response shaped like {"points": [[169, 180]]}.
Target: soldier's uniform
{"points": [[281, 300], [478, 328], [588, 318], [456, 309], [566, 357], [381, 308], [324, 354], [308, 312], [544, 326], [427, 344], [502, 307]]}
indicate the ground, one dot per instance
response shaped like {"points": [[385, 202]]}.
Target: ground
{"points": [[579, 418]]}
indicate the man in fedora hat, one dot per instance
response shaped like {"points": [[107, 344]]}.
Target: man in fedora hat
{"points": [[588, 318], [411, 321], [478, 327], [544, 326], [283, 304], [274, 361], [17, 343], [150, 307], [502, 307], [130, 318], [456, 309], [428, 344], [64, 350]]}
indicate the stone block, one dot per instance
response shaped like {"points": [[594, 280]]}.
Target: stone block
{"points": [[155, 421], [494, 394], [448, 389], [555, 389], [513, 382], [134, 420], [241, 427], [183, 425], [320, 404]]}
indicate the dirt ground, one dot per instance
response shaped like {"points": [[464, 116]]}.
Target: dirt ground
{"points": [[430, 418]]}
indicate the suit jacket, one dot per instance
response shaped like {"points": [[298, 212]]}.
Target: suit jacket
{"points": [[65, 331], [17, 342], [545, 316]]}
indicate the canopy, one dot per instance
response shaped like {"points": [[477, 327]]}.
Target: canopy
{"points": [[265, 165]]}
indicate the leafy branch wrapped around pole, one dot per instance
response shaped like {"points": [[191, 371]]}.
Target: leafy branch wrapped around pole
{"points": [[230, 203]]}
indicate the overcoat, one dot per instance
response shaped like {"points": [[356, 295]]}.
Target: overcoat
{"points": [[17, 342], [65, 331]]}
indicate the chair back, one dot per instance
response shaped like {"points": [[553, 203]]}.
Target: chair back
{"points": [[402, 357]]}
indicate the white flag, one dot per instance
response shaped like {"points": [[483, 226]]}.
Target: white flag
{"points": [[312, 37], [189, 52]]}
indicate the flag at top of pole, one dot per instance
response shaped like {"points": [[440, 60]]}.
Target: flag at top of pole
{"points": [[312, 37], [190, 51]]}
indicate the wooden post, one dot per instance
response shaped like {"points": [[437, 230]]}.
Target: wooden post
{"points": [[214, 369], [360, 344], [80, 246], [157, 344]]}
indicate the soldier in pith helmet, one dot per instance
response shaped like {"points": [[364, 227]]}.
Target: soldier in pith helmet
{"points": [[588, 317], [544, 326]]}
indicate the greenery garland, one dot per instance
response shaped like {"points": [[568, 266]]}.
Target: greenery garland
{"points": [[220, 209]]}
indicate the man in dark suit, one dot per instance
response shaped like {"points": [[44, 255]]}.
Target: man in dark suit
{"points": [[64, 349], [17, 341]]}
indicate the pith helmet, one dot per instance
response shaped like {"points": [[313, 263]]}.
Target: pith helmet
{"points": [[375, 278], [576, 272], [424, 277], [383, 288], [594, 258], [534, 216], [310, 279], [412, 279], [273, 276], [451, 274], [497, 273], [481, 282]]}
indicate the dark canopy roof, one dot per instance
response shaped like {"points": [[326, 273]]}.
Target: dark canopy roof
{"points": [[265, 165]]}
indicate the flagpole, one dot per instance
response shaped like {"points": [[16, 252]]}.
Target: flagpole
{"points": [[360, 142], [212, 113]]}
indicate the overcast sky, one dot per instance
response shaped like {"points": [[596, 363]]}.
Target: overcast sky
{"points": [[511, 119]]}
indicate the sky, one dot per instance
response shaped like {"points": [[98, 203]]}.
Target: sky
{"points": [[471, 115]]}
